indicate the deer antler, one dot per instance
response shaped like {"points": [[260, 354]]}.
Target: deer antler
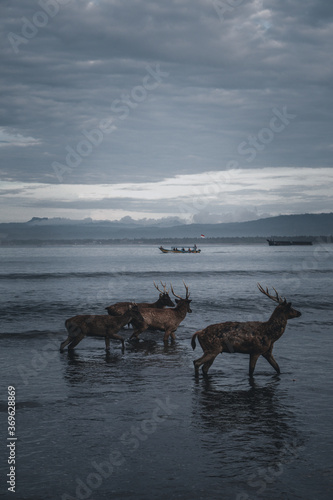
{"points": [[178, 296], [157, 287], [164, 288], [277, 298], [186, 288]]}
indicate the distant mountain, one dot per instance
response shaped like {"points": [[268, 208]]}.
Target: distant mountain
{"points": [[66, 229], [125, 221]]}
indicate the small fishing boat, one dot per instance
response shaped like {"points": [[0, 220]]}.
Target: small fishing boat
{"points": [[193, 249]]}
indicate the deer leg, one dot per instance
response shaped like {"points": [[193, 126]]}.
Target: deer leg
{"points": [[137, 332], [167, 335], [271, 360], [206, 360], [135, 335], [66, 342], [197, 363], [114, 336], [76, 340], [253, 361], [173, 336], [208, 364], [73, 330]]}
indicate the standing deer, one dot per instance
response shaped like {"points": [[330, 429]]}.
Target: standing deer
{"points": [[166, 320], [255, 338], [163, 300], [106, 326]]}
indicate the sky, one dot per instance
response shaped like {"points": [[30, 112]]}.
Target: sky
{"points": [[206, 110]]}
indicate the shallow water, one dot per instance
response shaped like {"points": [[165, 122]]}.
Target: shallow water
{"points": [[139, 425]]}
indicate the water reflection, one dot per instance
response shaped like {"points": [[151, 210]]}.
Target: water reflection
{"points": [[250, 428], [81, 368], [137, 365], [145, 346]]}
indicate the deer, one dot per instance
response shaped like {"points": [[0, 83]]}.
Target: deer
{"points": [[163, 300], [166, 320], [255, 338], [93, 325]]}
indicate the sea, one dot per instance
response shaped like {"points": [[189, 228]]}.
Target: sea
{"points": [[139, 425]]}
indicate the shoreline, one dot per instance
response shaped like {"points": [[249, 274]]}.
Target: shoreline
{"points": [[237, 240]]}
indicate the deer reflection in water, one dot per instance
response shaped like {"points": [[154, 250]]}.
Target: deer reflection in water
{"points": [[250, 432]]}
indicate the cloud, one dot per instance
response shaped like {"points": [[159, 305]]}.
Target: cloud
{"points": [[16, 140], [211, 196], [86, 65]]}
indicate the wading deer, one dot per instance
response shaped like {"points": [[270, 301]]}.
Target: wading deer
{"points": [[163, 300], [91, 325], [166, 320], [255, 338]]}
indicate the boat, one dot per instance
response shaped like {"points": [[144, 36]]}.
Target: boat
{"points": [[193, 249], [285, 243]]}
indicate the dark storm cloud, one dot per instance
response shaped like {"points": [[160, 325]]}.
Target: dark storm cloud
{"points": [[69, 67]]}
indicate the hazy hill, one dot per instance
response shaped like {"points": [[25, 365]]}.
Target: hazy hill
{"points": [[66, 229]]}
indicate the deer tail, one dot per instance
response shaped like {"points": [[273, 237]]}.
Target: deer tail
{"points": [[193, 344]]}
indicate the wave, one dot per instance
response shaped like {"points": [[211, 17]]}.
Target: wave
{"points": [[58, 335], [46, 276], [156, 274], [48, 334], [25, 308]]}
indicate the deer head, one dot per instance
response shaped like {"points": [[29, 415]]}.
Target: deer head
{"points": [[283, 306], [180, 300], [133, 312], [164, 296]]}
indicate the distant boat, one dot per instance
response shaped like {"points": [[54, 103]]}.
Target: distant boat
{"points": [[285, 243], [180, 250]]}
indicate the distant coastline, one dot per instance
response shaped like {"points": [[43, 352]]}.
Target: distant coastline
{"points": [[247, 240], [43, 231]]}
